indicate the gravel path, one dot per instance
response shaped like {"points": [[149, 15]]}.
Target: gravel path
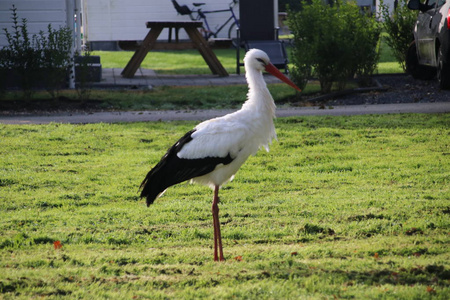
{"points": [[201, 115]]}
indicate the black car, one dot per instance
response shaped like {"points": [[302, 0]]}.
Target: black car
{"points": [[429, 53]]}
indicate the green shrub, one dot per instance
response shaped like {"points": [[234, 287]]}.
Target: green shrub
{"points": [[20, 55], [399, 25], [83, 78], [333, 43], [28, 57], [56, 57]]}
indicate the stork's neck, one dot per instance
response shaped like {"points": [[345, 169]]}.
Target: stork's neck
{"points": [[258, 97]]}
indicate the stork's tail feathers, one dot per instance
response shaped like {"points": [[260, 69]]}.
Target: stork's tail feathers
{"points": [[162, 175], [150, 188]]}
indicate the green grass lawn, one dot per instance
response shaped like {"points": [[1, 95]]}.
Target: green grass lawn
{"points": [[177, 62], [350, 207], [191, 62], [387, 63], [184, 97]]}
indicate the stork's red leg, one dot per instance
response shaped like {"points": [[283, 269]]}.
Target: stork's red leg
{"points": [[218, 251]]}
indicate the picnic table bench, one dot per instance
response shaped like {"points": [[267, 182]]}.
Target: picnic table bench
{"points": [[195, 36]]}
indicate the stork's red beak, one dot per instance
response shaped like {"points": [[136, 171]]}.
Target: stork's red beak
{"points": [[275, 72]]}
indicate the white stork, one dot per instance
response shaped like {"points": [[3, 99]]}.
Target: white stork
{"points": [[214, 150]]}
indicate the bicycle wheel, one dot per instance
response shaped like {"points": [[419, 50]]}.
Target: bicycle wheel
{"points": [[232, 34]]}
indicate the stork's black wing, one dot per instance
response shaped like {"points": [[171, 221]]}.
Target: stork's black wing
{"points": [[172, 169]]}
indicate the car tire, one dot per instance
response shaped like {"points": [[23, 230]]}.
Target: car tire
{"points": [[443, 72], [413, 67]]}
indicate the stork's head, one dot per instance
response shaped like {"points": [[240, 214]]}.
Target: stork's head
{"points": [[256, 59], [259, 60]]}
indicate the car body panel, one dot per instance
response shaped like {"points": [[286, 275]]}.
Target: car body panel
{"points": [[429, 53], [431, 31]]}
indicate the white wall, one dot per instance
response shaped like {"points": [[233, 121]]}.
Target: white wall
{"points": [[121, 20], [39, 13]]}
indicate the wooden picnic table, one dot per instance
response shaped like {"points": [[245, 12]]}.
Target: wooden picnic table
{"points": [[191, 29]]}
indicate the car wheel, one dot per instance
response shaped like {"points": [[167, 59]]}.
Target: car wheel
{"points": [[443, 72], [413, 67]]}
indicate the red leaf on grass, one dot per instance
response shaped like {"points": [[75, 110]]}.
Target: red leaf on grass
{"points": [[57, 245], [238, 258]]}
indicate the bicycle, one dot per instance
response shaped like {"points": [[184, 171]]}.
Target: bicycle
{"points": [[201, 15]]}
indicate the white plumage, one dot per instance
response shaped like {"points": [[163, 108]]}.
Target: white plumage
{"points": [[214, 150]]}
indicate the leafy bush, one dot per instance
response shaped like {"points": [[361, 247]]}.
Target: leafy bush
{"points": [[333, 43], [292, 4], [48, 52], [56, 56], [83, 78], [399, 26], [20, 55]]}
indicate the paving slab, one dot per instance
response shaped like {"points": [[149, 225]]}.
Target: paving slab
{"points": [[146, 78]]}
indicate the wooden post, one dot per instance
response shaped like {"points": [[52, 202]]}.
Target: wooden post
{"points": [[208, 55], [197, 39], [140, 54]]}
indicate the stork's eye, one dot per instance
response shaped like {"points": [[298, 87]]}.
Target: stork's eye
{"points": [[261, 61]]}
